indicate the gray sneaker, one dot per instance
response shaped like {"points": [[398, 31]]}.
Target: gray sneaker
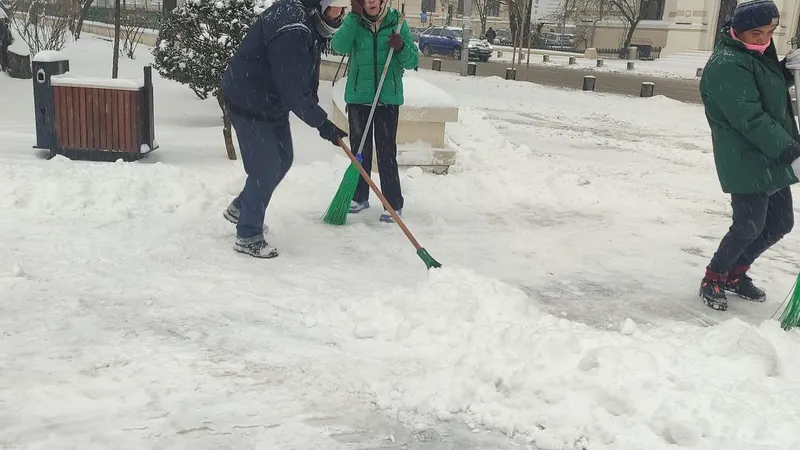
{"points": [[231, 214], [257, 249]]}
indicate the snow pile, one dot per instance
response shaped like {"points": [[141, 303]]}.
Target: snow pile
{"points": [[49, 56], [485, 351], [420, 93], [103, 192], [96, 83], [19, 46], [417, 93]]}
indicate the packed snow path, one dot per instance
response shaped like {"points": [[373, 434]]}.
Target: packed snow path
{"points": [[126, 320]]}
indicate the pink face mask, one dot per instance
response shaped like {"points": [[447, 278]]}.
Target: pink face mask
{"points": [[760, 48]]}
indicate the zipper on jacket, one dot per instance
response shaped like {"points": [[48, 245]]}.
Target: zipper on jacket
{"points": [[394, 80], [375, 61]]}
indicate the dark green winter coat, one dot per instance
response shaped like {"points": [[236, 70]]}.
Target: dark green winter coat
{"points": [[368, 52], [749, 110]]}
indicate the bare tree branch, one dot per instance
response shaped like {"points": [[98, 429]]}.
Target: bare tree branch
{"points": [[630, 10], [41, 24], [132, 26]]}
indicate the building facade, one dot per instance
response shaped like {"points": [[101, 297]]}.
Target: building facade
{"points": [[680, 25], [437, 13], [673, 25], [545, 10]]}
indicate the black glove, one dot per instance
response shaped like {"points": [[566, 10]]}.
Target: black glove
{"points": [[331, 132]]}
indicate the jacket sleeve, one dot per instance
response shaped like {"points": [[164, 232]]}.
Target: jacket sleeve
{"points": [[787, 73], [408, 55], [744, 113], [294, 71], [345, 37]]}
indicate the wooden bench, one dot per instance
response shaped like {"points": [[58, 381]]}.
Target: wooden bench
{"points": [[95, 119]]}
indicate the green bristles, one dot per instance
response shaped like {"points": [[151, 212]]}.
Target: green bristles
{"points": [[791, 315], [428, 259], [340, 205]]}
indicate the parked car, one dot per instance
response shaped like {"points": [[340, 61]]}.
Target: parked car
{"points": [[557, 41], [416, 32], [503, 37], [447, 41]]}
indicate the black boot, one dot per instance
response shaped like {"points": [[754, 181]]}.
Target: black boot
{"points": [[743, 286], [712, 291], [713, 294]]}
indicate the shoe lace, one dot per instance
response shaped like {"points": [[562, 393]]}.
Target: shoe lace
{"points": [[741, 279], [716, 286]]}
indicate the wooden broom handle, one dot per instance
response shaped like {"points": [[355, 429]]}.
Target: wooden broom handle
{"points": [[377, 191]]}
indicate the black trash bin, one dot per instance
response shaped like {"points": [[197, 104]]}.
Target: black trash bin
{"points": [[45, 65]]}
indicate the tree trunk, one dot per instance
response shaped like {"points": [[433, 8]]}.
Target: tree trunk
{"points": [[629, 36], [226, 128], [115, 63], [84, 12]]}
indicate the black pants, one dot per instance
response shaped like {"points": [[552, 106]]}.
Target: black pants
{"points": [[384, 131], [759, 221]]}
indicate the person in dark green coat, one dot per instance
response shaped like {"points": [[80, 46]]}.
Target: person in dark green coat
{"points": [[744, 89], [367, 34]]}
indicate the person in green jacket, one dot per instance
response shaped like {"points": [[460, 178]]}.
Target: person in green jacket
{"points": [[744, 89], [367, 34]]}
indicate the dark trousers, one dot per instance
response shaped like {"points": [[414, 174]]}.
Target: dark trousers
{"points": [[759, 221], [384, 131], [267, 155]]}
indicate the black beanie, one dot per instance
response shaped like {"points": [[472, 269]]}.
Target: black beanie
{"points": [[751, 14]]}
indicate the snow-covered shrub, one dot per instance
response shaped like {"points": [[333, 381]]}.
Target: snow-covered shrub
{"points": [[199, 37], [197, 40]]}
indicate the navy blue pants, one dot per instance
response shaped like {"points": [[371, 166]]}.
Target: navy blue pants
{"points": [[759, 221], [384, 130], [267, 155]]}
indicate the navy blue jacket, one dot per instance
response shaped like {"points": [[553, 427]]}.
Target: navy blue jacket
{"points": [[275, 69]]}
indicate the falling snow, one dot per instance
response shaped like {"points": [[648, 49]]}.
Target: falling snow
{"points": [[573, 231]]}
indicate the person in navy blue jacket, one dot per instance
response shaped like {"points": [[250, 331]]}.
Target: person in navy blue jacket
{"points": [[273, 72]]}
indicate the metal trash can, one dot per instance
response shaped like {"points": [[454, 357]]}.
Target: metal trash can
{"points": [[45, 65]]}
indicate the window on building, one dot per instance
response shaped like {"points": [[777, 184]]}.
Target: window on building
{"points": [[493, 8], [428, 6], [653, 9]]}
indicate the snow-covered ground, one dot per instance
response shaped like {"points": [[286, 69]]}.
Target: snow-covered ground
{"points": [[681, 65], [573, 233]]}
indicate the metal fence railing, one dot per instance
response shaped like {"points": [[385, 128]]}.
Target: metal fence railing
{"points": [[151, 18]]}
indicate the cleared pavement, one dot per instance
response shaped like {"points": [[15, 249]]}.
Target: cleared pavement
{"points": [[611, 82]]}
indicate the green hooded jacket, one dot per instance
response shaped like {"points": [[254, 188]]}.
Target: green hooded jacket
{"points": [[368, 52], [749, 111]]}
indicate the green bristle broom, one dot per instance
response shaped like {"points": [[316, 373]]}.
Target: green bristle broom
{"points": [[791, 315], [340, 205]]}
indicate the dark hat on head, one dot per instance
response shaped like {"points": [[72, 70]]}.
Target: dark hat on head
{"points": [[751, 14]]}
